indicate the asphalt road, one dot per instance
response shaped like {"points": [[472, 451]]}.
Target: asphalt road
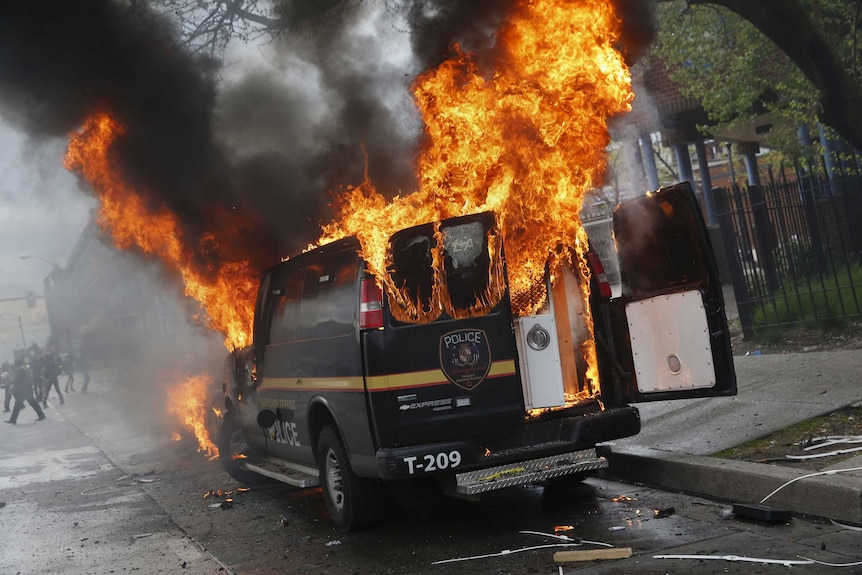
{"points": [[99, 487]]}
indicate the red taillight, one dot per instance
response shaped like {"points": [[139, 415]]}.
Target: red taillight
{"points": [[599, 273], [370, 305]]}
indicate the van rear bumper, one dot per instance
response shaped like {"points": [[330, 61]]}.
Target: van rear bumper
{"points": [[549, 437]]}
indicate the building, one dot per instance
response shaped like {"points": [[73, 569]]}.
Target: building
{"points": [[107, 303]]}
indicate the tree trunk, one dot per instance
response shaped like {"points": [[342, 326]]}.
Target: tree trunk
{"points": [[789, 25]]}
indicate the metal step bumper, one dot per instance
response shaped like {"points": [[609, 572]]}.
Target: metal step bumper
{"points": [[294, 474], [528, 471]]}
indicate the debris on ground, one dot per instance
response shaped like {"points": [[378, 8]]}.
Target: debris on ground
{"points": [[138, 477], [798, 438], [568, 542], [662, 513], [828, 441], [785, 562], [761, 513], [845, 526], [593, 554]]}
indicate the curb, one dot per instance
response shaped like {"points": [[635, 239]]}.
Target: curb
{"points": [[837, 497]]}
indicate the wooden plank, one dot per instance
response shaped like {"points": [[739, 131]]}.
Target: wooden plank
{"points": [[593, 554], [566, 287]]}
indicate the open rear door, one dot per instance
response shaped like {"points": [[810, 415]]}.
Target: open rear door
{"points": [[671, 308]]}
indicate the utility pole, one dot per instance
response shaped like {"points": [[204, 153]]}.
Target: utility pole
{"points": [[20, 326]]}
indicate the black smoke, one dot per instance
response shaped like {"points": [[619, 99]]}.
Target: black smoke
{"points": [[269, 147], [62, 61]]}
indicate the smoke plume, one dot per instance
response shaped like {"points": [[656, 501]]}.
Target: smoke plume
{"points": [[268, 147]]}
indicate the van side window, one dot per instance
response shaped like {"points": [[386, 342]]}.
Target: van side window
{"points": [[283, 327], [329, 300], [261, 314]]}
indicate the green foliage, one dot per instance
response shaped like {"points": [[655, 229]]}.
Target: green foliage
{"points": [[724, 62]]}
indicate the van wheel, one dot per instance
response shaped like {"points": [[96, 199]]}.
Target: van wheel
{"points": [[231, 442], [354, 502]]}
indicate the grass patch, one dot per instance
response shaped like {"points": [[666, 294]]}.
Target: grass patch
{"points": [[792, 440], [822, 300]]}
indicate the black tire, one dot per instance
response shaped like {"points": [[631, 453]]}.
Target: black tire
{"points": [[231, 442], [215, 415], [353, 502]]}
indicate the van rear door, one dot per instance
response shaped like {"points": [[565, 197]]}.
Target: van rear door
{"points": [[671, 310], [445, 364]]}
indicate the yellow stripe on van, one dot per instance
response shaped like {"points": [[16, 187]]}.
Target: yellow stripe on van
{"points": [[429, 377], [377, 382], [312, 383]]}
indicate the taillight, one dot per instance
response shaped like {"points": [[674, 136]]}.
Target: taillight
{"points": [[370, 305], [599, 274]]}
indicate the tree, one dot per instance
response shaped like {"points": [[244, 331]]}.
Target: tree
{"points": [[819, 37], [208, 26]]}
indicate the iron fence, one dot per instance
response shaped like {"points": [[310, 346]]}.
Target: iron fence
{"points": [[793, 250]]}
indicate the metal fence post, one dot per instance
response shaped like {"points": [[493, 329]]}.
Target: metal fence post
{"points": [[763, 235], [731, 250], [808, 208]]}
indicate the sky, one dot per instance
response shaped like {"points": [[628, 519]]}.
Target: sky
{"points": [[292, 119], [44, 208], [331, 93], [42, 211]]}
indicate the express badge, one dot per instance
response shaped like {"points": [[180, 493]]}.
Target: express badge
{"points": [[465, 357]]}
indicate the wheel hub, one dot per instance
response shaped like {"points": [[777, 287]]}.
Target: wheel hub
{"points": [[333, 480]]}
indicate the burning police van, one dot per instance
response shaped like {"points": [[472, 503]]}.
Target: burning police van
{"points": [[349, 386]]}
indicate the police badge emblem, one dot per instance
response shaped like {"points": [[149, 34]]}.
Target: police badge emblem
{"points": [[465, 357]]}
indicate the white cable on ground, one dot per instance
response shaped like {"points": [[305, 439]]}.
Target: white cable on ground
{"points": [[821, 442], [786, 562], [830, 472], [826, 454], [505, 552], [856, 564], [566, 538]]}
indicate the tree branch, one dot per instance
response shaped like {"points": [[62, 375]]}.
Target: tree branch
{"points": [[789, 26]]}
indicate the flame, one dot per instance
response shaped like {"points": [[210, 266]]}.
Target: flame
{"points": [[226, 294], [527, 142], [188, 400]]}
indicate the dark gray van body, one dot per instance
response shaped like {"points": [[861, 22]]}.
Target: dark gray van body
{"points": [[321, 398]]}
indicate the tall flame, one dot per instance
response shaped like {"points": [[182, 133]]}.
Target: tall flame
{"points": [[527, 142], [188, 400], [226, 294]]}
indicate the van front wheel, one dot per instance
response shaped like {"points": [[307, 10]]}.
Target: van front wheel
{"points": [[354, 502], [231, 445]]}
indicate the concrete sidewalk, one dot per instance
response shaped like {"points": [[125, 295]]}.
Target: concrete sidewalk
{"points": [[774, 391]]}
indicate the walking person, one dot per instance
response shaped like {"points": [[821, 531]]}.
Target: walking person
{"points": [[37, 359], [22, 390], [6, 382], [50, 376], [69, 368], [82, 365]]}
